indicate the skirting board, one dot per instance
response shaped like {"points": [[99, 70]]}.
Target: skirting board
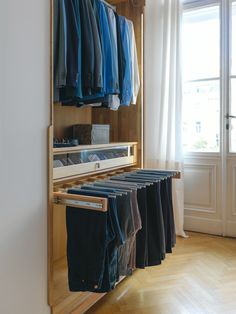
{"points": [[210, 226], [231, 229]]}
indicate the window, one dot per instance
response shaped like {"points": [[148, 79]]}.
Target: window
{"points": [[201, 79]]}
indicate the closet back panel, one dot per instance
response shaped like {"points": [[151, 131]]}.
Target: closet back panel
{"points": [[65, 117]]}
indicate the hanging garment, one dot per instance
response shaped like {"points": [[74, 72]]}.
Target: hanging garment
{"points": [[59, 47], [88, 58], [71, 91], [120, 225], [155, 224], [126, 252], [98, 59], [95, 57], [86, 266], [134, 64], [142, 235], [127, 84], [124, 209], [113, 35], [121, 55], [60, 43], [114, 100], [156, 237], [109, 63], [88, 270], [166, 199], [168, 213], [73, 39], [136, 232]]}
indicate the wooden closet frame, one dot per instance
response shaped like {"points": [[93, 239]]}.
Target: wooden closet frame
{"points": [[78, 303]]}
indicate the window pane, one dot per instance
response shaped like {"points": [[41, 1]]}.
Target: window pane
{"points": [[232, 122], [201, 43], [233, 59], [201, 116]]}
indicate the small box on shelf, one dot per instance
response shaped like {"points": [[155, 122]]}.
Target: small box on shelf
{"points": [[87, 134]]}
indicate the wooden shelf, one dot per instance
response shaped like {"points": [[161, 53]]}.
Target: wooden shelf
{"points": [[101, 165]]}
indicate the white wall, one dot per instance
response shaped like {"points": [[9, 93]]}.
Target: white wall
{"points": [[24, 117]]}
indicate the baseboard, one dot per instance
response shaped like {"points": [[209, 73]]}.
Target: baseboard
{"points": [[210, 226], [231, 229]]}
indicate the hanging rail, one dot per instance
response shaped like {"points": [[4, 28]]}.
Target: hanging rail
{"points": [[176, 174]]}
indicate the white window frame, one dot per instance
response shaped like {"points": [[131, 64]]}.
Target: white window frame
{"points": [[225, 66]]}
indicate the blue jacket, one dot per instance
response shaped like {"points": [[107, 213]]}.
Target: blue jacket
{"points": [[72, 44], [88, 57], [59, 47], [126, 94], [113, 35], [109, 65], [98, 57], [73, 88], [60, 43]]}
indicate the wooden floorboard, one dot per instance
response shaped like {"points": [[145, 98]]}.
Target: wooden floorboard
{"points": [[198, 278]]}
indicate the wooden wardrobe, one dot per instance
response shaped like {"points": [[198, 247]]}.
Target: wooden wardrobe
{"points": [[126, 127]]}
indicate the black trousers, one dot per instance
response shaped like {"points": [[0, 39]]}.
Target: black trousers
{"points": [[142, 235], [156, 234], [91, 246], [87, 240]]}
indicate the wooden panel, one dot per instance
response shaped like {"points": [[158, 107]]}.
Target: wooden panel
{"points": [[59, 232], [231, 197], [50, 214], [203, 202], [65, 117], [200, 187]]}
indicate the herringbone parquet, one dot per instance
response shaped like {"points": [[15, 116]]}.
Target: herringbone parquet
{"points": [[198, 278]]}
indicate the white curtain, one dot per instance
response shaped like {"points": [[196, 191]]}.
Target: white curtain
{"points": [[162, 112]]}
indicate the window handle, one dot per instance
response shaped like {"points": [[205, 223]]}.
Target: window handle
{"points": [[228, 116]]}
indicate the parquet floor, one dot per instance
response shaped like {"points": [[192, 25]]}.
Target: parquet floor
{"points": [[198, 278]]}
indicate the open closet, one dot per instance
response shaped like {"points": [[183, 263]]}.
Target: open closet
{"points": [[85, 163]]}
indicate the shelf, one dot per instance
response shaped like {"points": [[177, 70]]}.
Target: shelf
{"points": [[91, 159]]}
